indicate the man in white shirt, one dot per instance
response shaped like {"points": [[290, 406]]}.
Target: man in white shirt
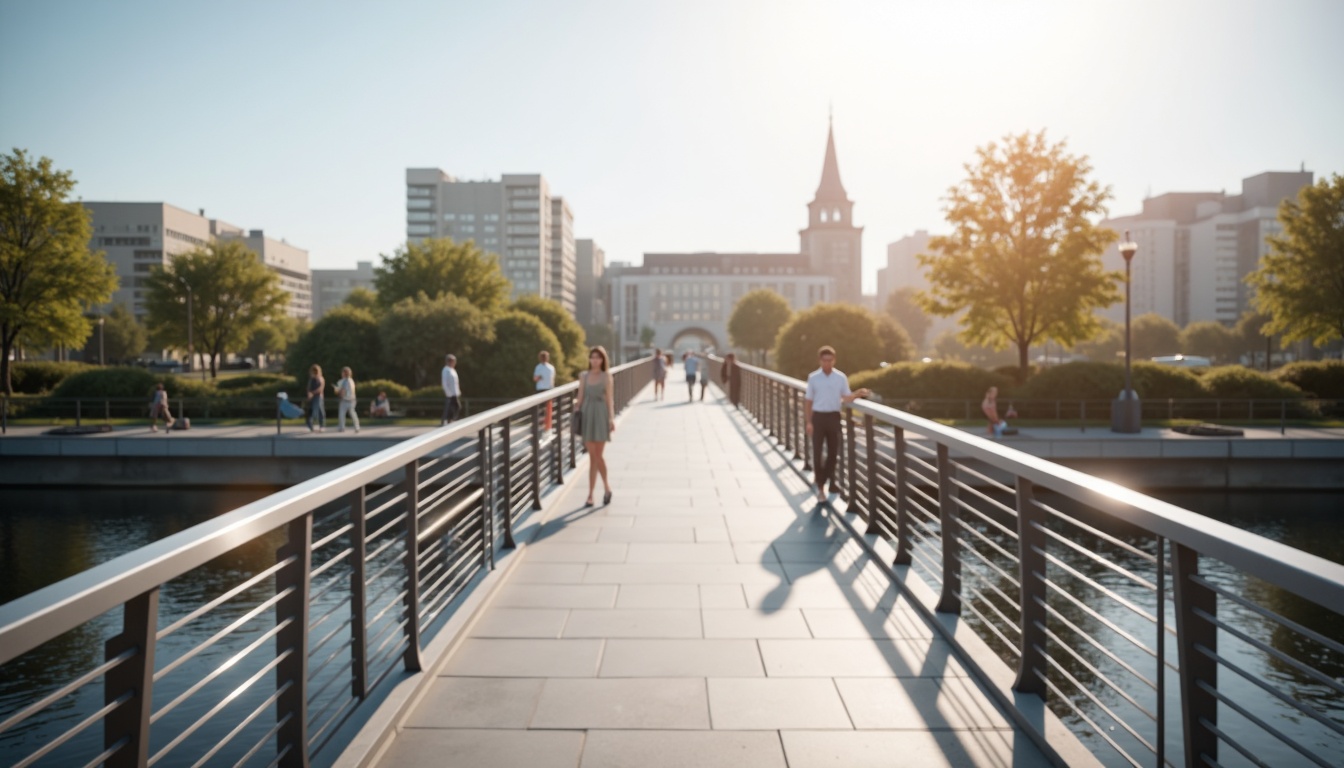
{"points": [[827, 392], [544, 377], [452, 389]]}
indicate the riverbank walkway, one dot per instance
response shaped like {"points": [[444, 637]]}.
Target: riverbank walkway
{"points": [[711, 615]]}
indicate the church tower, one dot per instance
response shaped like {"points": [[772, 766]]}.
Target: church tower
{"points": [[831, 241]]}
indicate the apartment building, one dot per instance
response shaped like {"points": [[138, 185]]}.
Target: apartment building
{"points": [[332, 286], [589, 284]]}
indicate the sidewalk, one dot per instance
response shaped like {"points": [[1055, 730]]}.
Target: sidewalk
{"points": [[710, 616]]}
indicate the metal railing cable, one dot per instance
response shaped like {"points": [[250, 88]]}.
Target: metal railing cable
{"points": [[318, 597], [1074, 586]]}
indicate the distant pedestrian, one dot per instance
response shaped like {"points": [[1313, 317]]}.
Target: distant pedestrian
{"points": [[990, 407], [598, 418], [544, 377], [381, 408], [345, 389], [452, 389], [659, 374], [827, 391], [692, 365], [317, 404], [731, 378], [158, 407], [704, 378]]}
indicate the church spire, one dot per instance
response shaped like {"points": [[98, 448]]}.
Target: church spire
{"points": [[830, 187]]}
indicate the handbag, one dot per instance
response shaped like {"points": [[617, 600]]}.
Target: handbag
{"points": [[576, 421]]}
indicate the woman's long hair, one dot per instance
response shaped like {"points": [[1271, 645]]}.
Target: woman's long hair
{"points": [[603, 353]]}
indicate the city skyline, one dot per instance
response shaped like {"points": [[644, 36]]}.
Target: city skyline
{"points": [[669, 128]]}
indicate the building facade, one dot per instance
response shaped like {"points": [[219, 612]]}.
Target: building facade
{"points": [[332, 286], [512, 217], [1196, 249], [139, 238], [590, 295], [833, 245]]}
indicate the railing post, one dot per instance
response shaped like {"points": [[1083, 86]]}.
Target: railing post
{"points": [[506, 441], [791, 422], [851, 460], [536, 464], [950, 600], [412, 599], [291, 643], [573, 439], [870, 442], [1031, 597], [359, 616], [1197, 642], [127, 726], [79, 408], [903, 527], [487, 450], [557, 452]]}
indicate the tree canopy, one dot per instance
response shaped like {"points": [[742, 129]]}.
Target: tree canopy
{"points": [[502, 367], [362, 298], [860, 343], [572, 355], [417, 332], [345, 336], [756, 320], [1153, 335], [123, 338], [903, 307], [1023, 259], [232, 295], [48, 275], [1210, 339], [1300, 282], [439, 267]]}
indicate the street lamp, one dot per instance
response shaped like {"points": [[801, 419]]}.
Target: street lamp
{"points": [[190, 345], [101, 321], [1125, 411]]}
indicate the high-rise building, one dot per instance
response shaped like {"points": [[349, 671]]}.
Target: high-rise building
{"points": [[1196, 248], [138, 238], [903, 268], [831, 242], [563, 255], [511, 217], [589, 297], [332, 286]]}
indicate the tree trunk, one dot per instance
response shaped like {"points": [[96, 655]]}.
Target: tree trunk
{"points": [[1023, 361]]}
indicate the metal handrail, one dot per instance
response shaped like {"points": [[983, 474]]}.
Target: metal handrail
{"points": [[503, 463], [961, 552]]}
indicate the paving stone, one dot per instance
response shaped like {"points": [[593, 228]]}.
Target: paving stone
{"points": [[918, 703], [485, 748], [658, 596], [776, 704], [753, 623], [649, 623], [477, 702], [645, 552], [564, 552], [722, 596], [681, 573], [846, 623], [683, 749], [521, 622], [639, 703], [547, 573], [926, 749], [661, 535], [556, 596], [858, 658], [681, 658], [481, 657]]}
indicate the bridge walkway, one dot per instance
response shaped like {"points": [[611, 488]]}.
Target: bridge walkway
{"points": [[711, 615]]}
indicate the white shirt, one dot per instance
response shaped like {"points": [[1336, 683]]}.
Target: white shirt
{"points": [[547, 373], [825, 391], [346, 387], [451, 388]]}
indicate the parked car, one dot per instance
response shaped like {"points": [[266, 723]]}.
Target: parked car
{"points": [[1183, 361], [245, 364], [166, 366]]}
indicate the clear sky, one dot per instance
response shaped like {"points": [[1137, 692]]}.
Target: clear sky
{"points": [[668, 125]]}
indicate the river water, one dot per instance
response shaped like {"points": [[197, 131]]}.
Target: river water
{"points": [[49, 534]]}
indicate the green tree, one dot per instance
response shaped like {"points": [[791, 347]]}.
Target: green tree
{"points": [[440, 267], [903, 307], [344, 336], [1024, 258], [1209, 339], [362, 298], [598, 335], [1106, 345], [646, 336], [949, 346], [275, 337], [48, 275], [1153, 335], [571, 356], [1254, 339], [1300, 282], [417, 333], [853, 331], [896, 343], [757, 319], [123, 338], [502, 367], [232, 294]]}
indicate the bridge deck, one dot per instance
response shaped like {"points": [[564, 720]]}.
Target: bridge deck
{"points": [[710, 616]]}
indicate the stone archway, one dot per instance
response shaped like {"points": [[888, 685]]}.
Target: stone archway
{"points": [[707, 339]]}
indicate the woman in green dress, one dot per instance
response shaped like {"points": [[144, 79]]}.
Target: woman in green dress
{"points": [[598, 418]]}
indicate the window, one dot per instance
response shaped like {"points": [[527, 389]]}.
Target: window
{"points": [[415, 203], [419, 230], [824, 216], [419, 216], [116, 241], [419, 191], [155, 255]]}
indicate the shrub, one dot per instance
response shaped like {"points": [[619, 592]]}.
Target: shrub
{"points": [[1324, 378], [1235, 381], [572, 356], [344, 336], [1076, 381], [367, 390], [1014, 373], [128, 382], [251, 380], [1154, 381], [916, 381], [417, 333], [424, 393], [502, 368], [852, 331], [34, 378]]}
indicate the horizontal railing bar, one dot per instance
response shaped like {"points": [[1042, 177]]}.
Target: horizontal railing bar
{"points": [[370, 496], [992, 544], [74, 730], [1227, 739], [1098, 703], [346, 707], [992, 626], [224, 598], [317, 646], [966, 469], [389, 525], [1271, 730], [330, 584], [331, 562], [237, 729], [232, 627], [996, 590], [1282, 621], [68, 688], [979, 513], [223, 667], [386, 669], [220, 705], [1260, 683], [1105, 678], [1103, 650], [336, 534], [1137, 609], [102, 757], [269, 734], [1061, 696], [1264, 647], [1096, 558], [1093, 530], [336, 674], [985, 561], [395, 602]]}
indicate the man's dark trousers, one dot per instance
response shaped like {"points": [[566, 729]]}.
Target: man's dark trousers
{"points": [[450, 408], [825, 432]]}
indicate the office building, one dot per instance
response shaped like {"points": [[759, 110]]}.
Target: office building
{"points": [[564, 266], [902, 269], [590, 298], [332, 286]]}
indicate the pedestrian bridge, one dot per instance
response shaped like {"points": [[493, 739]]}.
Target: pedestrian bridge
{"points": [[452, 600]]}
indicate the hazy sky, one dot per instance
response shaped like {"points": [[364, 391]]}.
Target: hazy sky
{"points": [[670, 125]]}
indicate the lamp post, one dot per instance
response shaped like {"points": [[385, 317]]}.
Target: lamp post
{"points": [[101, 321], [190, 345], [1125, 411]]}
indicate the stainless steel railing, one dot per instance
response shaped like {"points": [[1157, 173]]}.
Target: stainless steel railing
{"points": [[320, 597], [1160, 636]]}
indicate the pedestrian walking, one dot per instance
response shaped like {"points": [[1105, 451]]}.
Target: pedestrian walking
{"points": [[158, 407], [452, 389], [692, 365], [827, 391], [317, 404], [598, 419], [990, 407], [659, 374], [544, 377], [731, 378], [345, 390]]}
